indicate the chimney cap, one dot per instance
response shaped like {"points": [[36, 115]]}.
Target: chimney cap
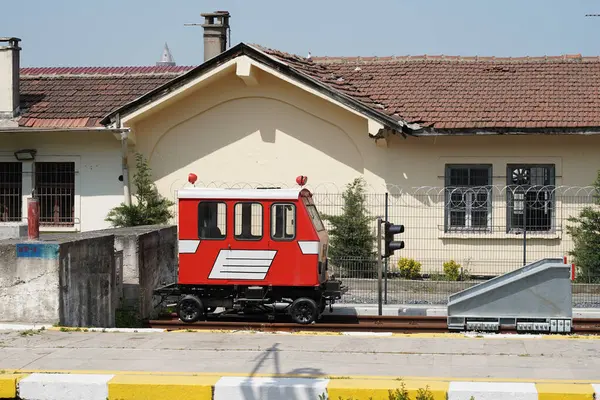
{"points": [[13, 42], [216, 14]]}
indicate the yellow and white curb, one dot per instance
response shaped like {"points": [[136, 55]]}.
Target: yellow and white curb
{"points": [[96, 385]]}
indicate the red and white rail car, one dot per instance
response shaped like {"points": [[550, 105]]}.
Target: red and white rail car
{"points": [[247, 250]]}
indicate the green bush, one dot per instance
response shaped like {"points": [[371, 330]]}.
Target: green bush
{"points": [[586, 240], [409, 268], [452, 270], [150, 209], [350, 236]]}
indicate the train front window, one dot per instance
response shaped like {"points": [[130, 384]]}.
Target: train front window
{"points": [[212, 220], [283, 224], [315, 217]]}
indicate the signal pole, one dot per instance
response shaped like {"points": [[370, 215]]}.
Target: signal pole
{"points": [[390, 247], [379, 265]]}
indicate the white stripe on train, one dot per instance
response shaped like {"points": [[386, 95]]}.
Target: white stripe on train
{"points": [[242, 264]]}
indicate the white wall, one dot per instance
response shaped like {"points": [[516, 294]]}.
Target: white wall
{"points": [[97, 161]]}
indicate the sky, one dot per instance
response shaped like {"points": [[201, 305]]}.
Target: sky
{"points": [[133, 32]]}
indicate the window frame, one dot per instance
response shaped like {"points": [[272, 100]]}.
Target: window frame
{"points": [[318, 219], [262, 221], [467, 227], [18, 187], [38, 184], [551, 169], [201, 202], [294, 216]]}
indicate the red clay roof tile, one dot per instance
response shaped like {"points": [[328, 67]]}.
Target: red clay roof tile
{"points": [[435, 91], [81, 96]]}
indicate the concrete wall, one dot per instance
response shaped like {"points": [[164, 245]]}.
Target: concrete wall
{"points": [[29, 287], [13, 230], [81, 279], [150, 258], [69, 280], [87, 282], [97, 158]]}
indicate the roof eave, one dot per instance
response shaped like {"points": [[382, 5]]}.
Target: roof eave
{"points": [[508, 131]]}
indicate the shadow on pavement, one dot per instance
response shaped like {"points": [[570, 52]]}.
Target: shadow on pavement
{"points": [[291, 388]]}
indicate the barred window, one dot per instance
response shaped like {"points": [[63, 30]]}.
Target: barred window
{"points": [[11, 191], [468, 203], [212, 220], [55, 189], [248, 221], [530, 197]]}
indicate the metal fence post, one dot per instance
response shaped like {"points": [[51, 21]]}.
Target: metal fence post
{"points": [[385, 287], [525, 229], [379, 265]]}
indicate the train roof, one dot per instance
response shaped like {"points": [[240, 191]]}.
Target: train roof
{"points": [[254, 194]]}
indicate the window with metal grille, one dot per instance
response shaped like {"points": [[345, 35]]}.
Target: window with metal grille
{"points": [[248, 218], [468, 198], [55, 189], [11, 191], [530, 197]]}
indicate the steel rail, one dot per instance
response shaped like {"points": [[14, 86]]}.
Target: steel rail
{"points": [[341, 323]]}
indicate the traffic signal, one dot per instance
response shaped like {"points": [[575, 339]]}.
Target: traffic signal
{"points": [[390, 244]]}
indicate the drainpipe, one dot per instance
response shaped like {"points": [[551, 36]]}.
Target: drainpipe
{"points": [[124, 165]]}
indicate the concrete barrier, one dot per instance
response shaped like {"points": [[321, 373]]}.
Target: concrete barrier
{"points": [[149, 259], [82, 279], [113, 385], [65, 279]]}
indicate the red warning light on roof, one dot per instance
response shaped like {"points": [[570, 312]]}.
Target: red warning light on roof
{"points": [[192, 178], [301, 180]]}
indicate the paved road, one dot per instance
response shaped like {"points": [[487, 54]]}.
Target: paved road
{"points": [[296, 354]]}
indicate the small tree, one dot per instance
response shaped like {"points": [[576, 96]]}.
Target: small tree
{"points": [[586, 239], [352, 240], [150, 208]]}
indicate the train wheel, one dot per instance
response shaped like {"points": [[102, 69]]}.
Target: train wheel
{"points": [[304, 310], [190, 309]]}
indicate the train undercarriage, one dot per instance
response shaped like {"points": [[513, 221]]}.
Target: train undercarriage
{"points": [[303, 304]]}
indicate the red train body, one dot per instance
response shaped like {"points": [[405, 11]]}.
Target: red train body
{"points": [[247, 250]]}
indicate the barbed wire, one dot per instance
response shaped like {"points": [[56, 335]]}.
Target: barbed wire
{"points": [[454, 197]]}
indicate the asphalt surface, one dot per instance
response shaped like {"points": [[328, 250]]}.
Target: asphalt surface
{"points": [[247, 352]]}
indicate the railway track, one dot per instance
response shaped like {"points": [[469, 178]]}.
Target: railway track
{"points": [[342, 323]]}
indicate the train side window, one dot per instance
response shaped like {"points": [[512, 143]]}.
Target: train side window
{"points": [[212, 220], [283, 221], [248, 218]]}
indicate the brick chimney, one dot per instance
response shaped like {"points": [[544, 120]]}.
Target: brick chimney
{"points": [[9, 77], [215, 27]]}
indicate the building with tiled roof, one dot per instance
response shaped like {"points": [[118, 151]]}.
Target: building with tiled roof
{"points": [[250, 115]]}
